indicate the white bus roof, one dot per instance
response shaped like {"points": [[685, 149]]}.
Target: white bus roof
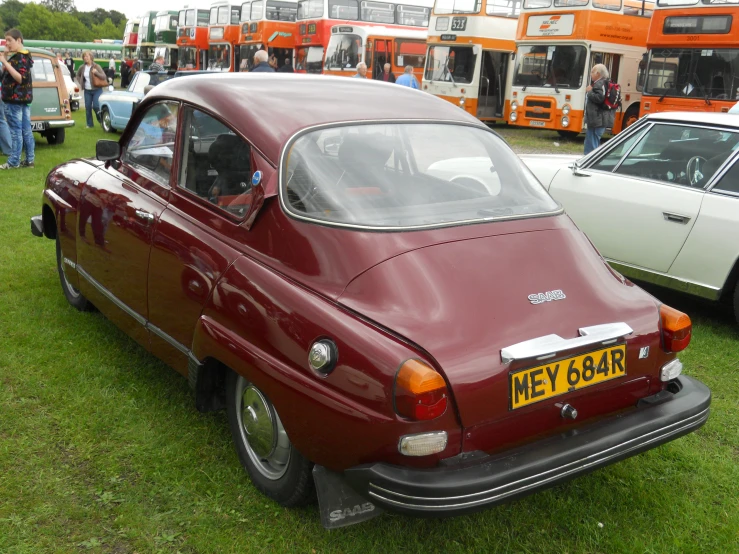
{"points": [[361, 28]]}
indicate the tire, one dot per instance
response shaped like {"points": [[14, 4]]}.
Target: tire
{"points": [[274, 465], [73, 296], [74, 106], [569, 135], [736, 302], [630, 117], [105, 121], [56, 136]]}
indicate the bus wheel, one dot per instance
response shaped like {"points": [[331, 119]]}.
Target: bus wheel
{"points": [[630, 117], [569, 135]]}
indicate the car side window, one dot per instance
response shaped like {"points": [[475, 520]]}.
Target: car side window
{"points": [[730, 181], [216, 163], [42, 70], [679, 154], [611, 159], [152, 145]]}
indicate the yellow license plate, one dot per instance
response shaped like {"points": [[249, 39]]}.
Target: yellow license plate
{"points": [[528, 386]]}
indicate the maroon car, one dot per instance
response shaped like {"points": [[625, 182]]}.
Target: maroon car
{"points": [[373, 286]]}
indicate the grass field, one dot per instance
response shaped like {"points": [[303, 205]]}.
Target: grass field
{"points": [[102, 450]]}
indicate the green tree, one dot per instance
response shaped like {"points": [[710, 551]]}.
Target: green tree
{"points": [[36, 22], [118, 18], [106, 30], [68, 27], [64, 6], [85, 18], [9, 12]]}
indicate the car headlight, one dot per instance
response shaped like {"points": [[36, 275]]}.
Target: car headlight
{"points": [[566, 109], [514, 105], [514, 116], [565, 121]]}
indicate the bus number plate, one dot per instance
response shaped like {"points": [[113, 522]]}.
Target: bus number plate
{"points": [[535, 123], [459, 23]]}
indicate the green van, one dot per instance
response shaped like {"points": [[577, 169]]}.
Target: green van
{"points": [[50, 110]]}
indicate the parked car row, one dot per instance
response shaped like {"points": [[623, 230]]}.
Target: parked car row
{"points": [[387, 304]]}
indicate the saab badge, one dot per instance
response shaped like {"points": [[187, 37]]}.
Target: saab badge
{"points": [[256, 178]]}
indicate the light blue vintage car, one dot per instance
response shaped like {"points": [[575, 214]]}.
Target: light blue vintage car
{"points": [[116, 106]]}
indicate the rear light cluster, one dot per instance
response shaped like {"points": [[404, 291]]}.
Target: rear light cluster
{"points": [[420, 392], [676, 329]]}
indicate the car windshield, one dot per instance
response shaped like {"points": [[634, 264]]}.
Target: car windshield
{"points": [[343, 51], [406, 175], [561, 66], [450, 64], [693, 72]]}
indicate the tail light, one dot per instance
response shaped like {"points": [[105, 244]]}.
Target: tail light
{"points": [[420, 392], [76, 89], [676, 329]]}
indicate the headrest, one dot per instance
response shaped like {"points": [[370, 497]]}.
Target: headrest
{"points": [[229, 153]]}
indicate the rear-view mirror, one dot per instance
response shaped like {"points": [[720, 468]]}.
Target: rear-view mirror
{"points": [[107, 150]]}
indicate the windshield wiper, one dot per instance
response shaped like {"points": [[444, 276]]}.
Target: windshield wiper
{"points": [[446, 66]]}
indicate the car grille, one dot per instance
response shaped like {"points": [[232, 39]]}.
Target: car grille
{"points": [[538, 109]]}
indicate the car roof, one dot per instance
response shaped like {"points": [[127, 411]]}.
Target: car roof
{"points": [[269, 108], [704, 118]]}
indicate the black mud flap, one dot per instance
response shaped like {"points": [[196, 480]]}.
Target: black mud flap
{"points": [[338, 503]]}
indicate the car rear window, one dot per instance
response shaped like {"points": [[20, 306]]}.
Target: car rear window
{"points": [[406, 175]]}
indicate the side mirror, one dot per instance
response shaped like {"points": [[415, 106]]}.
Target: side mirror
{"points": [[575, 167], [107, 150]]}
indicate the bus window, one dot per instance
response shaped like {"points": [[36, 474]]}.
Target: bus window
{"points": [[219, 57], [310, 9], [257, 9], [641, 74], [703, 73], [279, 10], [536, 4], [570, 3], [415, 16], [504, 8], [450, 64], [614, 5], [410, 52], [343, 52], [245, 12], [611, 61], [458, 6], [343, 9], [561, 65], [378, 12]]}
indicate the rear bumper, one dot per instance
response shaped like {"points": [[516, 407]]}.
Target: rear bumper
{"points": [[61, 123], [489, 480], [37, 226]]}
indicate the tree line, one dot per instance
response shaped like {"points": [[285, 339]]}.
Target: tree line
{"points": [[60, 20]]}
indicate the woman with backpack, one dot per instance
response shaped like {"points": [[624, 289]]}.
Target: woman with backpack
{"points": [[597, 117]]}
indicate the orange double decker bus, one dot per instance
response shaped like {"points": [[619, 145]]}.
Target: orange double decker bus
{"points": [[317, 17], [375, 46], [223, 36], [557, 44], [693, 57], [267, 25], [192, 38]]}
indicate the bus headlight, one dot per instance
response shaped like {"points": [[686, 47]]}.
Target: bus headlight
{"points": [[565, 121], [566, 109], [514, 116], [461, 101], [514, 106]]}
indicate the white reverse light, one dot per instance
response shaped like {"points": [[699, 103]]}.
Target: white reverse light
{"points": [[670, 370], [422, 444]]}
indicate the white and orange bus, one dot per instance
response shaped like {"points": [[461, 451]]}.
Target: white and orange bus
{"points": [[693, 59], [223, 36], [374, 45], [469, 51], [192, 38], [557, 44], [267, 25], [317, 17]]}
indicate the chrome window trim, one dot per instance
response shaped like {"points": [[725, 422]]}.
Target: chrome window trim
{"points": [[289, 143], [596, 156], [729, 164], [630, 150], [541, 479], [669, 281]]}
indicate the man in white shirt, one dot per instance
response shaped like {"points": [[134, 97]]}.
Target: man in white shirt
{"points": [[111, 68]]}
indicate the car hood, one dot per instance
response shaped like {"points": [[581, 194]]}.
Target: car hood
{"points": [[546, 166], [462, 302]]}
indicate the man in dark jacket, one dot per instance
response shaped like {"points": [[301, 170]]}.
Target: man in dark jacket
{"points": [[597, 117], [386, 74], [287, 66], [261, 63]]}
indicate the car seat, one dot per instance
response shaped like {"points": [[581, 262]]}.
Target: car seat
{"points": [[230, 156]]}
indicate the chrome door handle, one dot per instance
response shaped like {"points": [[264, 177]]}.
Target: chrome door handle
{"points": [[676, 218], [146, 217]]}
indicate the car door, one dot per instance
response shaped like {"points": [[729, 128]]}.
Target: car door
{"points": [[119, 210], [636, 201], [198, 234]]}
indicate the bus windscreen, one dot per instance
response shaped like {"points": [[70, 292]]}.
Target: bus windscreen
{"points": [[693, 72]]}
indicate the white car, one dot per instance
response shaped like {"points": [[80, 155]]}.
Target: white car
{"points": [[72, 88], [660, 201]]}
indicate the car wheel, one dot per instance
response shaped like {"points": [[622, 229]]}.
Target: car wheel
{"points": [[274, 465], [73, 296], [736, 302], [105, 121], [56, 136], [74, 106], [569, 135]]}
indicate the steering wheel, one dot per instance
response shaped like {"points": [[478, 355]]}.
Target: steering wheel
{"points": [[695, 175]]}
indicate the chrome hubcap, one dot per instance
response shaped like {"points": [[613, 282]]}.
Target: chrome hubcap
{"points": [[262, 432]]}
